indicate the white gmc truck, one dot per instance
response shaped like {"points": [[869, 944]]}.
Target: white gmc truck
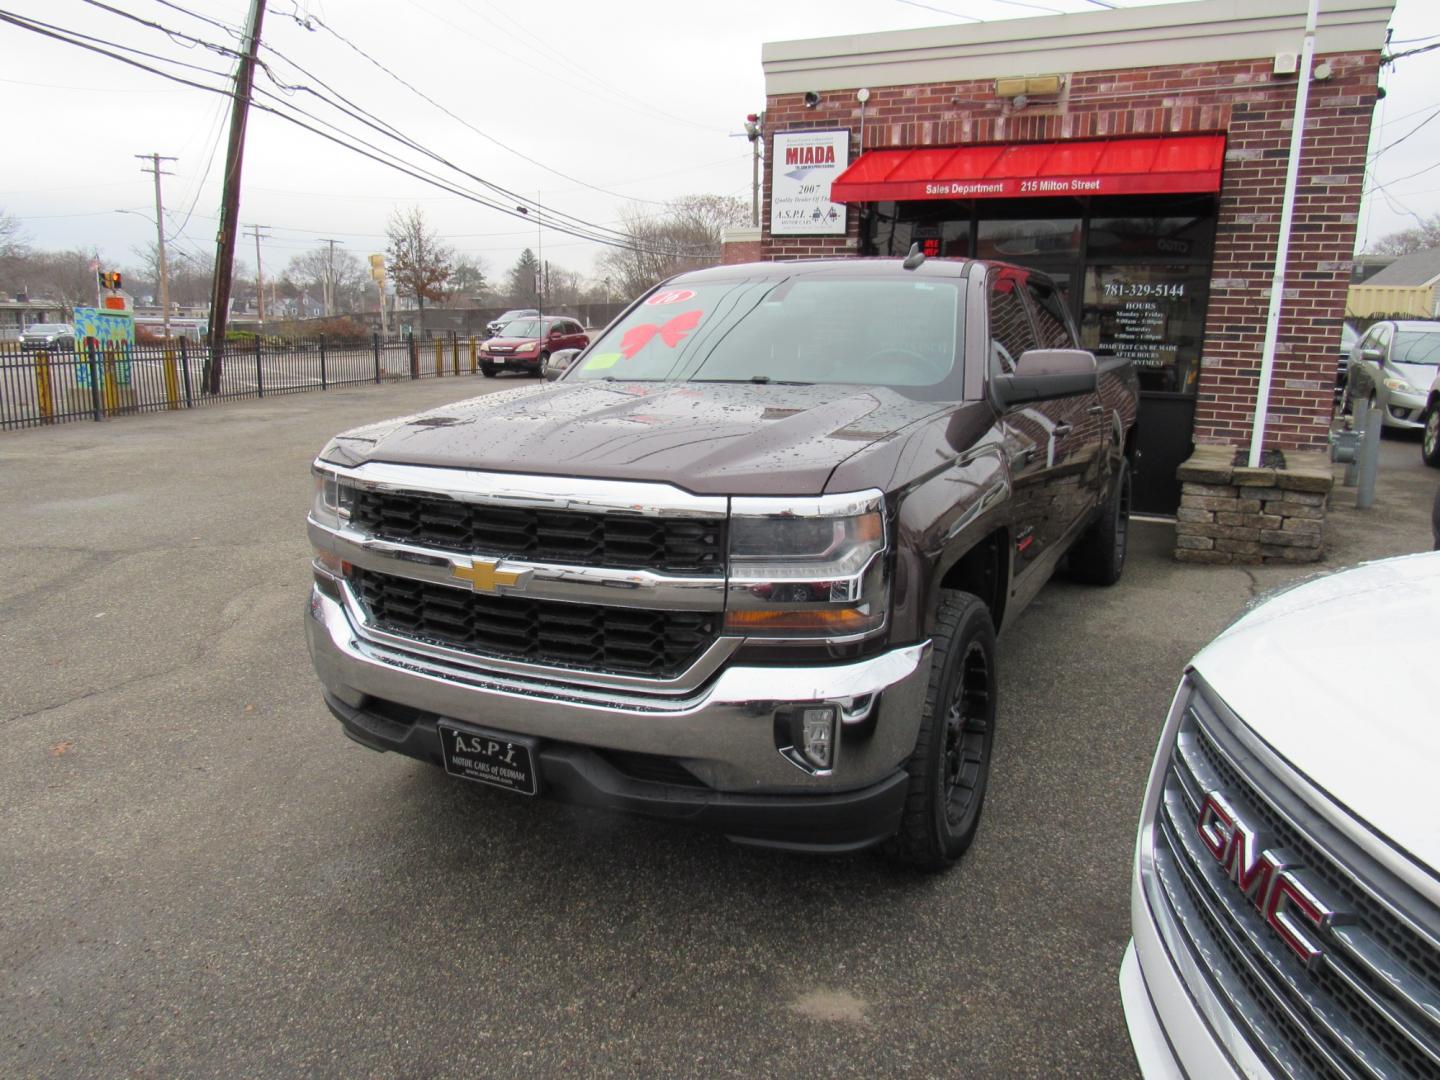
{"points": [[1286, 892]]}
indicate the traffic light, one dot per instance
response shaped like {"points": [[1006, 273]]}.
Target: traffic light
{"points": [[109, 279], [377, 267], [752, 126]]}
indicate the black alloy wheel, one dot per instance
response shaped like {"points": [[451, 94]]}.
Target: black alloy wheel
{"points": [[488, 370], [1098, 557], [544, 366], [950, 765]]}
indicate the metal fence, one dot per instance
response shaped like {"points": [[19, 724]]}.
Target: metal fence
{"points": [[91, 383]]}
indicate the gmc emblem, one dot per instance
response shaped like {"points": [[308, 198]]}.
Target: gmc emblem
{"points": [[1265, 877]]}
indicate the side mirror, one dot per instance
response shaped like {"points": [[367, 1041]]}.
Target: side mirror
{"points": [[559, 363], [1045, 374], [1373, 353]]}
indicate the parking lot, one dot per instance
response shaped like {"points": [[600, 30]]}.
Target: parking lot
{"points": [[199, 874]]}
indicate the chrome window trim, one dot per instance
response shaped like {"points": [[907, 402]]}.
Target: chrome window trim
{"points": [[640, 498], [541, 581], [705, 665]]}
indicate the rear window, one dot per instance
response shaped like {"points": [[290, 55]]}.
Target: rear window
{"points": [[900, 332]]}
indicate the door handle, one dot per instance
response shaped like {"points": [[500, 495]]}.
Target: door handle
{"points": [[1095, 410], [1061, 430]]}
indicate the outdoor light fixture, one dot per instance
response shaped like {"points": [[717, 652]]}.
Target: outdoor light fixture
{"points": [[811, 99], [1028, 86]]}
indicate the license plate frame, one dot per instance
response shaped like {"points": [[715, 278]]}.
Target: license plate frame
{"points": [[493, 758]]}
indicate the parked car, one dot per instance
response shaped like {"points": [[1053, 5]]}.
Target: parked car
{"points": [[1285, 898], [55, 336], [496, 325], [744, 563], [1349, 336], [526, 345], [1430, 441], [1393, 365]]}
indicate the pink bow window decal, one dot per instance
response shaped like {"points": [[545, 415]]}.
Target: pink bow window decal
{"points": [[672, 332]]}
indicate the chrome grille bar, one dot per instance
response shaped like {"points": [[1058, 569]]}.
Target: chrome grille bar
{"points": [[1369, 1006]]}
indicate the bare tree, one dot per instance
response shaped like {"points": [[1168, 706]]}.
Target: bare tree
{"points": [[1420, 238], [419, 263], [307, 272], [685, 237], [12, 237]]}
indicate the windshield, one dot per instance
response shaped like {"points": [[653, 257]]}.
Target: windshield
{"points": [[1417, 347], [522, 328], [883, 330], [48, 328]]}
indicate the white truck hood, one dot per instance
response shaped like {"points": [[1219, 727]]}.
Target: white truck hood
{"points": [[1341, 676]]}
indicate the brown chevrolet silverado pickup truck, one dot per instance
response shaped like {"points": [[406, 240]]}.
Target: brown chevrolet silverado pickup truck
{"points": [[744, 563]]}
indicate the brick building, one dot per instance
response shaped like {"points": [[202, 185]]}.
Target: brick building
{"points": [[1138, 156]]}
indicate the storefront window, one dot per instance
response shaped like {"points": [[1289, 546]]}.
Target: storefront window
{"points": [[1154, 315], [1188, 236], [1028, 242]]}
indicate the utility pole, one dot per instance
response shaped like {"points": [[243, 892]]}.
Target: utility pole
{"points": [[330, 277], [155, 160], [230, 201], [540, 265], [259, 277]]}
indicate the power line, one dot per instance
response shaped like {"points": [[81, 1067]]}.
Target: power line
{"points": [[380, 125], [942, 11], [1402, 138], [60, 34], [459, 119]]}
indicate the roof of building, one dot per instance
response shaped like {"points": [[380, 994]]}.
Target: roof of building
{"points": [[1417, 268], [1197, 32]]}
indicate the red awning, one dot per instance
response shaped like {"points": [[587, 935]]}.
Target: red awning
{"points": [[1172, 163]]}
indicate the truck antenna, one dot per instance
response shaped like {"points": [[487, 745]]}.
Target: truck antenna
{"points": [[915, 258]]}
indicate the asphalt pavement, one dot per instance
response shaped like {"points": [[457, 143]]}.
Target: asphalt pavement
{"points": [[200, 876]]}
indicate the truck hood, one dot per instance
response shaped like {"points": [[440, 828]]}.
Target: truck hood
{"points": [[1325, 674], [709, 438]]}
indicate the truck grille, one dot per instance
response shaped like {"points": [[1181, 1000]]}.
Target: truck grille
{"points": [[632, 641], [623, 541], [1370, 1005]]}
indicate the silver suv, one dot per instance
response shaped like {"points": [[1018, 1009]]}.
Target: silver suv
{"points": [[48, 336]]}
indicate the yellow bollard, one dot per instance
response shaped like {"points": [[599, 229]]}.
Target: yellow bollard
{"points": [[112, 389], [439, 357], [473, 364], [172, 380], [44, 389]]}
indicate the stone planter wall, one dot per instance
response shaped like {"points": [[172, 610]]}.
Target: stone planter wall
{"points": [[1235, 514]]}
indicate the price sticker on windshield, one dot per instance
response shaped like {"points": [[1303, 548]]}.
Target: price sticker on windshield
{"points": [[671, 296]]}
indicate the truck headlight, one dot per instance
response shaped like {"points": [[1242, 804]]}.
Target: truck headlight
{"points": [[333, 499], [1400, 386], [807, 568]]}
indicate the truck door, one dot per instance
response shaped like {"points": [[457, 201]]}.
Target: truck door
{"points": [[1045, 443]]}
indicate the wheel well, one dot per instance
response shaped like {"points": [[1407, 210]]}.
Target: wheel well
{"points": [[984, 571], [1130, 437]]}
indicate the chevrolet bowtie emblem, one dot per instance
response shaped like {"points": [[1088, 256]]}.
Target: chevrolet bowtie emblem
{"points": [[486, 577]]}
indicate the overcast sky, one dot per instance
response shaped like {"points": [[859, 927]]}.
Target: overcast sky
{"points": [[637, 99]]}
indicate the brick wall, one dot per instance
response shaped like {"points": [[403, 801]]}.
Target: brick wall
{"points": [[1253, 107]]}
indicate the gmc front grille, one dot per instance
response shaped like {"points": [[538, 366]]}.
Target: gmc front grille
{"points": [[621, 541], [1369, 1005], [630, 641]]}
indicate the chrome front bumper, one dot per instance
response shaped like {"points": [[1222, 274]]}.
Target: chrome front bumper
{"points": [[723, 733]]}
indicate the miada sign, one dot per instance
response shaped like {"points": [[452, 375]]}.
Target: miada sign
{"points": [[803, 164]]}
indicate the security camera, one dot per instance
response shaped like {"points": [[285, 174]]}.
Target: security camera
{"points": [[811, 99]]}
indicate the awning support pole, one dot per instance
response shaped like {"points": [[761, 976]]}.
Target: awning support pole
{"points": [[1282, 246]]}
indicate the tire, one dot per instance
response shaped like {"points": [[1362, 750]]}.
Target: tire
{"points": [[1430, 441], [1098, 557], [950, 766], [488, 370], [544, 364]]}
